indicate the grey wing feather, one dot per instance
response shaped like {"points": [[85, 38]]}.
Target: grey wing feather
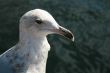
{"points": [[5, 67]]}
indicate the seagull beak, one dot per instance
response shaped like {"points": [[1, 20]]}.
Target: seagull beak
{"points": [[65, 32]]}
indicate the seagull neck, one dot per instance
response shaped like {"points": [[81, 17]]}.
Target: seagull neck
{"points": [[34, 42], [26, 38], [37, 49]]}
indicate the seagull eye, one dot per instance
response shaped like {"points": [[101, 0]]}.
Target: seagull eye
{"points": [[39, 21]]}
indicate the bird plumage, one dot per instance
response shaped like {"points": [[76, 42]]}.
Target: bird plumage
{"points": [[30, 54]]}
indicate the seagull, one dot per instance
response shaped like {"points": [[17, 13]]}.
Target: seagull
{"points": [[30, 54]]}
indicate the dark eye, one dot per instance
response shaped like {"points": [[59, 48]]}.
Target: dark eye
{"points": [[39, 21]]}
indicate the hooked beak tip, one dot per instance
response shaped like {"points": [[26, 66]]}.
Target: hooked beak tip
{"points": [[66, 33]]}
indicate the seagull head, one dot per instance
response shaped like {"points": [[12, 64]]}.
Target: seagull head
{"points": [[39, 22]]}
